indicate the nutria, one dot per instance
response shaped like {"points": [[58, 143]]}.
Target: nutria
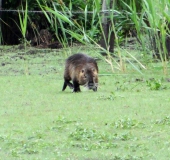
{"points": [[81, 70]]}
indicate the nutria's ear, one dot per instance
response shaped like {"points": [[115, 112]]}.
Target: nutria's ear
{"points": [[93, 69]]}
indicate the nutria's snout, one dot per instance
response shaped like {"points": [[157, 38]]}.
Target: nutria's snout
{"points": [[91, 85]]}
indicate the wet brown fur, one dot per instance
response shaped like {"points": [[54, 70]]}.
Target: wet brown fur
{"points": [[81, 70]]}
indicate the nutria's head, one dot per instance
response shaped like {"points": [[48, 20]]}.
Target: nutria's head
{"points": [[88, 77]]}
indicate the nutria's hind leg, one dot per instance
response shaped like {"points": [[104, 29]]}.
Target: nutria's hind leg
{"points": [[76, 87], [64, 86], [67, 83]]}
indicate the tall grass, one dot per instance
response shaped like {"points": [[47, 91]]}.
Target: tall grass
{"points": [[158, 27], [23, 18], [124, 56], [81, 33], [150, 21], [57, 19]]}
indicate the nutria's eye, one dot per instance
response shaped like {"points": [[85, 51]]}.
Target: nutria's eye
{"points": [[82, 70]]}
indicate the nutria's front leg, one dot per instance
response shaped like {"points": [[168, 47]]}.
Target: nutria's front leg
{"points": [[70, 85], [95, 89], [76, 87]]}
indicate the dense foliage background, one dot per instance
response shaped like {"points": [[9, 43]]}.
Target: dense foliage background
{"points": [[37, 21]]}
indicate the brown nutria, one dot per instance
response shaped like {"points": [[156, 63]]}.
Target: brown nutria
{"points": [[81, 70]]}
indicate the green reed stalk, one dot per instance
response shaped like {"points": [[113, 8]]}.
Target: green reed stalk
{"points": [[158, 27], [86, 36], [23, 18], [57, 20], [122, 54]]}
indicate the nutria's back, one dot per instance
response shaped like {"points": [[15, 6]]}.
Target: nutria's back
{"points": [[81, 70]]}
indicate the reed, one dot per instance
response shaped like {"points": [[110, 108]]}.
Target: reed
{"points": [[152, 25], [23, 18], [73, 29]]}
